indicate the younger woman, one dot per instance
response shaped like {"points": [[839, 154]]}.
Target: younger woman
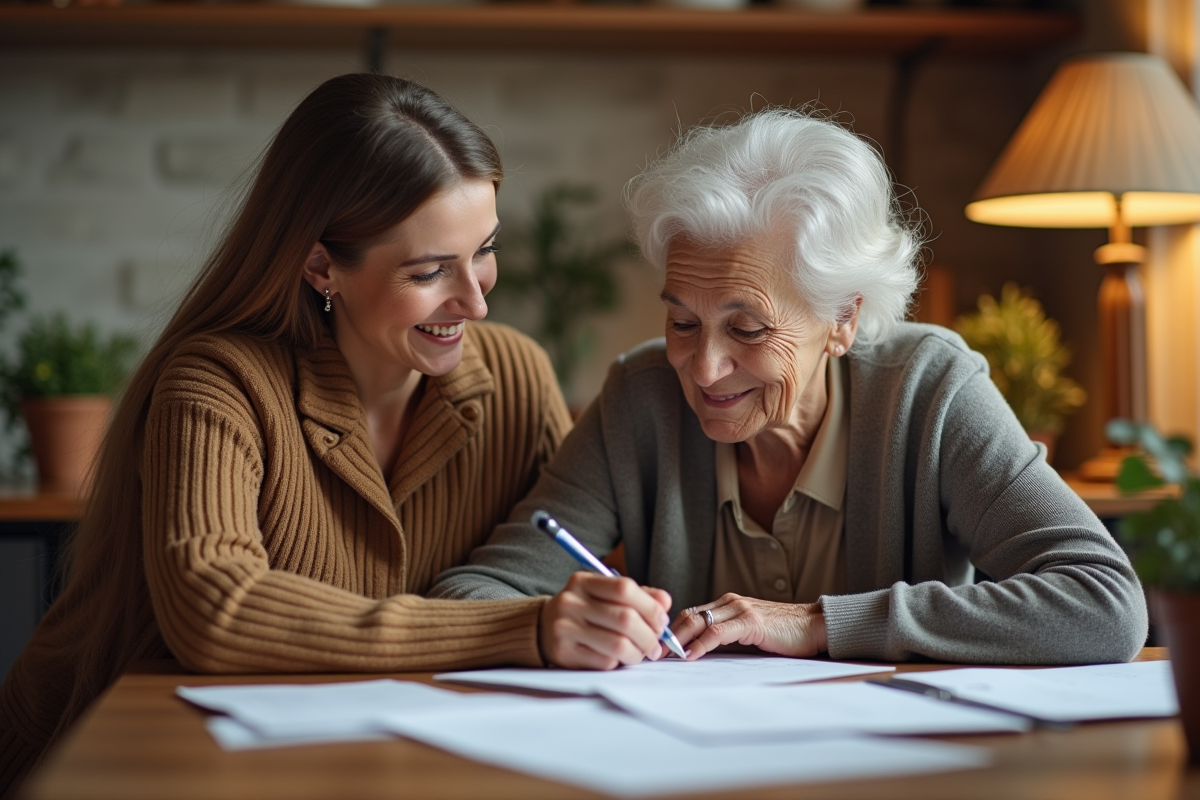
{"points": [[322, 428]]}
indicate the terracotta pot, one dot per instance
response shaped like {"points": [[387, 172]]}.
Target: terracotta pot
{"points": [[65, 435], [1178, 618]]}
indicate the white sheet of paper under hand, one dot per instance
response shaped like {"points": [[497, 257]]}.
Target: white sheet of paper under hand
{"points": [[712, 670], [774, 713], [1065, 694], [588, 743]]}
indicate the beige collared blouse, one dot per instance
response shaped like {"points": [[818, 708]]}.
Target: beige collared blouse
{"points": [[802, 557]]}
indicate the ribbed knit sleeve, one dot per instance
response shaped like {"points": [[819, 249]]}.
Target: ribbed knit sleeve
{"points": [[220, 606]]}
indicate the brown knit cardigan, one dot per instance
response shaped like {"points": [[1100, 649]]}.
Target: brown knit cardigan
{"points": [[273, 544]]}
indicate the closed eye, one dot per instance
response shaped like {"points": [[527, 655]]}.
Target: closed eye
{"points": [[494, 247], [749, 335], [428, 277]]}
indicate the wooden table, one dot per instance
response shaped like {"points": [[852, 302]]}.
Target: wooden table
{"points": [[140, 741]]}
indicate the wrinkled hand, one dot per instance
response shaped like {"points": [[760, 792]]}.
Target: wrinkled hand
{"points": [[601, 623], [796, 630]]}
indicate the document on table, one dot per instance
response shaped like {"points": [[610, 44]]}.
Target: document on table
{"points": [[1064, 694], [585, 742], [588, 743], [712, 670], [232, 736], [288, 714], [772, 713]]}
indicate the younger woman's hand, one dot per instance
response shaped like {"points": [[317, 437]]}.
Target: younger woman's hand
{"points": [[787, 629], [598, 622]]}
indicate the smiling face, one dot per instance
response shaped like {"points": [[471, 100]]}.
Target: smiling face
{"points": [[405, 306], [741, 338]]}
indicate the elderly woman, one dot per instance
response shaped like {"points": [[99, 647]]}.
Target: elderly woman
{"points": [[798, 468]]}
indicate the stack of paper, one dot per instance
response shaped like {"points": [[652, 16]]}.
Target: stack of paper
{"points": [[577, 741], [675, 727]]}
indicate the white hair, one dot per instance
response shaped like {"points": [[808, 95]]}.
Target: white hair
{"points": [[722, 185]]}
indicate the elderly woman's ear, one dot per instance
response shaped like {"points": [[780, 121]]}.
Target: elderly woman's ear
{"points": [[841, 338]]}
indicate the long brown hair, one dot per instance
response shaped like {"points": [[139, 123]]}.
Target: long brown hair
{"points": [[356, 157]]}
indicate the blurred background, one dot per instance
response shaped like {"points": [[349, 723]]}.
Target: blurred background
{"points": [[117, 161]]}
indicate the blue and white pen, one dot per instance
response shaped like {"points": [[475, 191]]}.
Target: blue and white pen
{"points": [[581, 554]]}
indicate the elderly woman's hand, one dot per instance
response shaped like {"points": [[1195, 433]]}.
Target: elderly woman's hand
{"points": [[601, 623], [787, 629]]}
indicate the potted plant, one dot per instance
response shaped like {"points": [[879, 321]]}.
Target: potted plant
{"points": [[60, 381], [1165, 545], [1027, 358], [566, 275]]}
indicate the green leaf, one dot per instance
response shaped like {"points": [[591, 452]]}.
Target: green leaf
{"points": [[1179, 445], [1136, 475], [1025, 356]]}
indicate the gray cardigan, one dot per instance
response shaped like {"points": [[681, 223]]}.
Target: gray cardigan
{"points": [[940, 477]]}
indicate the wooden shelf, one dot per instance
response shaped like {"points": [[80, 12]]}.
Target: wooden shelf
{"points": [[26, 504], [543, 28]]}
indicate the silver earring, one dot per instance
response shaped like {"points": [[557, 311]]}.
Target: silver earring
{"points": [[328, 301]]}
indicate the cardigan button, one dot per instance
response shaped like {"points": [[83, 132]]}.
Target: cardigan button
{"points": [[470, 413]]}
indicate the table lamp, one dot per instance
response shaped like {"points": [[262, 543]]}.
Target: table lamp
{"points": [[1113, 141]]}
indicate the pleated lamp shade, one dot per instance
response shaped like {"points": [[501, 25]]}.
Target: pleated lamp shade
{"points": [[1116, 125]]}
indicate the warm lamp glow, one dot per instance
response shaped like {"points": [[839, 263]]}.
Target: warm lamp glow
{"points": [[1116, 125], [1086, 209]]}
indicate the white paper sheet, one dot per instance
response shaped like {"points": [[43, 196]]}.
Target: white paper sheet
{"points": [[588, 743], [712, 670], [1065, 694], [771, 713], [303, 714], [231, 735]]}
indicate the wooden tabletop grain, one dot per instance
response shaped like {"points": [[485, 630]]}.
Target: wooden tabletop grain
{"points": [[142, 743]]}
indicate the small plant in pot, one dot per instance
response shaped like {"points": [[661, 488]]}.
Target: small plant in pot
{"points": [[1026, 358], [60, 381], [1165, 545]]}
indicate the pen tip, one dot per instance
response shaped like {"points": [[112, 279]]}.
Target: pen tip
{"points": [[673, 644]]}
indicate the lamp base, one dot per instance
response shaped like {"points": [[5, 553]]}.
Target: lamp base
{"points": [[1105, 465]]}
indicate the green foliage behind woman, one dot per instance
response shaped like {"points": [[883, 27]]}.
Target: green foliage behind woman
{"points": [[1026, 356]]}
